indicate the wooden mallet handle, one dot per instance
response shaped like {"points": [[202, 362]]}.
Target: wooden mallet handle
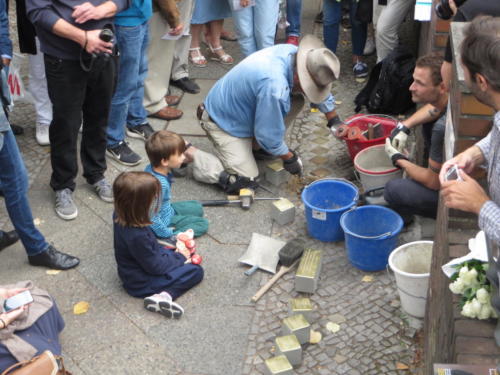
{"points": [[272, 281]]}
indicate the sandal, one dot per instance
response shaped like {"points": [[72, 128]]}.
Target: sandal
{"points": [[228, 36], [197, 59], [224, 58]]}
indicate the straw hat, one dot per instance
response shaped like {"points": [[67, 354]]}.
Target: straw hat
{"points": [[317, 68]]}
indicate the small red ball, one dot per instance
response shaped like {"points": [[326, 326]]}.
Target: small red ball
{"points": [[196, 259]]}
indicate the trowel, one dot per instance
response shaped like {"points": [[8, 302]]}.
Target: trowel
{"points": [[262, 253]]}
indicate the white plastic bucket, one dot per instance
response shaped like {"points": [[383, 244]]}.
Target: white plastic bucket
{"points": [[411, 264], [375, 168]]}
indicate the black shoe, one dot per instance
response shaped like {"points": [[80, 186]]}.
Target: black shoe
{"points": [[142, 131], [53, 259], [232, 183], [16, 129], [319, 17], [123, 154], [187, 85], [8, 238], [262, 154]]}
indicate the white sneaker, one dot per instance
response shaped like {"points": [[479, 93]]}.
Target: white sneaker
{"points": [[163, 304], [42, 134], [369, 46]]}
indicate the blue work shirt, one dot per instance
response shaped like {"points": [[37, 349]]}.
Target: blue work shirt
{"points": [[253, 98]]}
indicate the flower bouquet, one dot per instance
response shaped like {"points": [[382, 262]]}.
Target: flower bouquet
{"points": [[470, 281]]}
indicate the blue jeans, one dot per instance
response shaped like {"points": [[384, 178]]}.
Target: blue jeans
{"points": [[14, 182], [293, 11], [332, 15], [126, 105], [408, 197], [256, 26]]}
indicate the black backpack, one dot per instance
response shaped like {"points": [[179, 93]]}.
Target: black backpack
{"points": [[387, 89]]}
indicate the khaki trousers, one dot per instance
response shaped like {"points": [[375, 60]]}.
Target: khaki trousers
{"points": [[232, 154], [160, 57]]}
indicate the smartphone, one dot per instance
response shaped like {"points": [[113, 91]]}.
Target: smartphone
{"points": [[17, 301], [453, 174]]}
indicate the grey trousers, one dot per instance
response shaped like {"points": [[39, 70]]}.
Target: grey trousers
{"points": [[180, 63], [386, 20]]}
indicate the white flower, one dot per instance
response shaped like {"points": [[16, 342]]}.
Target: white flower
{"points": [[467, 310], [483, 296], [463, 271], [470, 278], [476, 306], [457, 286], [485, 312]]}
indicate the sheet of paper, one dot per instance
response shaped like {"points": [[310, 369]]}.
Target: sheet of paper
{"points": [[423, 10], [168, 36], [235, 5]]}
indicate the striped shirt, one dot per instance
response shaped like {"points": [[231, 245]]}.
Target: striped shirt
{"points": [[161, 220], [489, 216]]}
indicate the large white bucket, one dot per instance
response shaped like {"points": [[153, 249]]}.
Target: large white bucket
{"points": [[375, 168], [411, 264]]}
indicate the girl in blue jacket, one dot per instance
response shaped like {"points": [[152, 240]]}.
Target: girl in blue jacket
{"points": [[145, 268]]}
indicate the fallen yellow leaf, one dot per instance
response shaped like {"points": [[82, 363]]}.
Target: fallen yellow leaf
{"points": [[332, 327], [81, 308], [338, 102], [401, 366], [52, 272], [315, 337], [367, 279], [313, 110]]}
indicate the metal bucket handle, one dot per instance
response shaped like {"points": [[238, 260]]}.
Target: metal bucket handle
{"points": [[356, 198]]}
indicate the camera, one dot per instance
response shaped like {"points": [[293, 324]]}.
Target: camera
{"points": [[443, 9], [453, 174], [106, 34]]}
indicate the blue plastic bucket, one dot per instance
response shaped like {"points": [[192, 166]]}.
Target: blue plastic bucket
{"points": [[371, 233], [325, 201]]}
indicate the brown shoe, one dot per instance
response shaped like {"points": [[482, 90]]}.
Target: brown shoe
{"points": [[172, 100], [168, 113]]}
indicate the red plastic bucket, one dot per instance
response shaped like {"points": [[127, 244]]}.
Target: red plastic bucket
{"points": [[361, 121]]}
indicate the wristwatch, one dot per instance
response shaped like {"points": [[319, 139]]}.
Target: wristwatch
{"points": [[403, 128]]}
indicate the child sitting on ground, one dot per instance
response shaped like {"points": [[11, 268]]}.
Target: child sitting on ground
{"points": [[165, 151], [145, 268]]}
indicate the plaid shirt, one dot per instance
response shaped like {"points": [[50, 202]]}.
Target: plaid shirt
{"points": [[489, 216]]}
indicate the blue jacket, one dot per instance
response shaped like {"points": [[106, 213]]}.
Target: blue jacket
{"points": [[144, 266], [253, 98]]}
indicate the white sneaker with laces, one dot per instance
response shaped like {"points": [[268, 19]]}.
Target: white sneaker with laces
{"points": [[42, 134], [162, 303]]}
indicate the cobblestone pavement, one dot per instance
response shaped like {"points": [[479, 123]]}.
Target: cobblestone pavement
{"points": [[374, 334]]}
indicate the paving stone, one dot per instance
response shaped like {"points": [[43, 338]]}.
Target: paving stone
{"points": [[221, 332]]}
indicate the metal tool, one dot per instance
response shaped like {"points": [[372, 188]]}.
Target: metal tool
{"points": [[289, 255], [262, 253]]}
